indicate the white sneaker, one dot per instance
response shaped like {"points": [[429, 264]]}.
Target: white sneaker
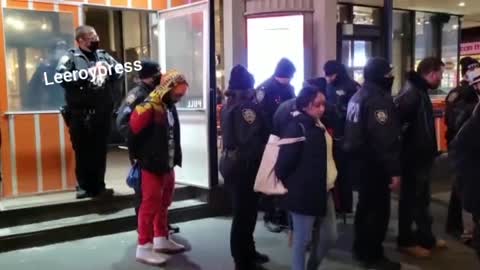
{"points": [[168, 246], [146, 255]]}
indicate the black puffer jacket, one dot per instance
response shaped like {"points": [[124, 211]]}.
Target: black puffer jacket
{"points": [[303, 168], [416, 115], [466, 148]]}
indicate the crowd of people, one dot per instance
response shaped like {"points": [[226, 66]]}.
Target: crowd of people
{"points": [[354, 137], [348, 136]]}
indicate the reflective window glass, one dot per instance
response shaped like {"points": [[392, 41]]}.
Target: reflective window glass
{"points": [[35, 40], [366, 15]]}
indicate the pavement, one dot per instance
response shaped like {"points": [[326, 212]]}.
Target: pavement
{"points": [[208, 242]]}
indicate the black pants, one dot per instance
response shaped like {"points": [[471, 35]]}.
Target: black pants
{"points": [[476, 236], [455, 216], [245, 207], [343, 185], [414, 208], [89, 136], [372, 216]]}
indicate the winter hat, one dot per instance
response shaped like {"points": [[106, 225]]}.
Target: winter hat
{"points": [[376, 69], [474, 76], [468, 63], [332, 67], [285, 69], [240, 79], [318, 83], [149, 69]]}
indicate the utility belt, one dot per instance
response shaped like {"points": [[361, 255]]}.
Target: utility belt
{"points": [[84, 113]]}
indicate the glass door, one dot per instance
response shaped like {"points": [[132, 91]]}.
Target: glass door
{"points": [[355, 54], [183, 45]]}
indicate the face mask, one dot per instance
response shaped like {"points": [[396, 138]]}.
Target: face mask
{"points": [[93, 45], [156, 80], [388, 83]]}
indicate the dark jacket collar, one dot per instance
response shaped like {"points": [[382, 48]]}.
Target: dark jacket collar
{"points": [[417, 81], [373, 87]]}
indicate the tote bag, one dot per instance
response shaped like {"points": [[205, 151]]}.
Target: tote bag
{"points": [[267, 181]]}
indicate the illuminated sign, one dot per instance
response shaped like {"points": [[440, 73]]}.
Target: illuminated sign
{"points": [[470, 48]]}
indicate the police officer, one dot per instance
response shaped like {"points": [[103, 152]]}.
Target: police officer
{"points": [[340, 90], [460, 102], [150, 76], [372, 143], [270, 95], [244, 139], [88, 83]]}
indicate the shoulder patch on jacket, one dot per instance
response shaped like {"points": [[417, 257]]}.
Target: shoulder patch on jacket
{"points": [[260, 95], [130, 99], [381, 116], [452, 97], [249, 116]]}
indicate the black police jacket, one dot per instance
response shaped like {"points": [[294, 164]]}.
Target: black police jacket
{"points": [[418, 126], [466, 147], [302, 167], [134, 97], [339, 94], [372, 131], [270, 95], [84, 93], [460, 103], [243, 130]]}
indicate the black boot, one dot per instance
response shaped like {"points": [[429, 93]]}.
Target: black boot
{"points": [[384, 264]]}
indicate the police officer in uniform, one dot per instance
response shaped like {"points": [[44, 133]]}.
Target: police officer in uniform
{"points": [[460, 102], [340, 90], [244, 139], [89, 109], [372, 143], [150, 76], [270, 95]]}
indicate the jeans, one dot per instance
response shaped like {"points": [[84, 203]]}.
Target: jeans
{"points": [[323, 238]]}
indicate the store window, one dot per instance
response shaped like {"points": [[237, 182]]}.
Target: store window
{"points": [[450, 48], [183, 40], [366, 15], [35, 40], [425, 37], [343, 14], [402, 47]]}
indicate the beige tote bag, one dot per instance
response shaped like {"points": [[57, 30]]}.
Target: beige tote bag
{"points": [[267, 182]]}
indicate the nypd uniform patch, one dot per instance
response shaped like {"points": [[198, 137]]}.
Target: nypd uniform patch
{"points": [[130, 99], [249, 116], [381, 116], [452, 97], [260, 95], [340, 92]]}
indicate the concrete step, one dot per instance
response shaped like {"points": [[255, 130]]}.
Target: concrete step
{"points": [[89, 225], [24, 214]]}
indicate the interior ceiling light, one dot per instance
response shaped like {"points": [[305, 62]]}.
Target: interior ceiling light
{"points": [[461, 4]]}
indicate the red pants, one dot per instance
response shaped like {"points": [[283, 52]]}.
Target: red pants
{"points": [[157, 193]]}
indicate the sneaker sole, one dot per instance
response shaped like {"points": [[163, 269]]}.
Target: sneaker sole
{"points": [[169, 251], [151, 264]]}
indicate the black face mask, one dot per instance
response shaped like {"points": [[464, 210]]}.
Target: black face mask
{"points": [[156, 80], [93, 45], [387, 83]]}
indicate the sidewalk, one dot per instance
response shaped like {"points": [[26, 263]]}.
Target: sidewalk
{"points": [[210, 250]]}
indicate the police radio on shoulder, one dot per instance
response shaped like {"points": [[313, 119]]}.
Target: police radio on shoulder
{"points": [[97, 73]]}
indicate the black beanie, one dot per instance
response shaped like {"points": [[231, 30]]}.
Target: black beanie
{"points": [[285, 69], [468, 63], [318, 83], [149, 69], [240, 79], [332, 67], [376, 69]]}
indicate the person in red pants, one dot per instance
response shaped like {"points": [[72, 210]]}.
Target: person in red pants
{"points": [[155, 143]]}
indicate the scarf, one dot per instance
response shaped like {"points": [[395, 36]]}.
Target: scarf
{"points": [[331, 167]]}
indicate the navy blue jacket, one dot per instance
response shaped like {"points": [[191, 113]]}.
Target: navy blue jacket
{"points": [[302, 167]]}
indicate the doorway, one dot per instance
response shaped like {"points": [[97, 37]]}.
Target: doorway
{"points": [[355, 54]]}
